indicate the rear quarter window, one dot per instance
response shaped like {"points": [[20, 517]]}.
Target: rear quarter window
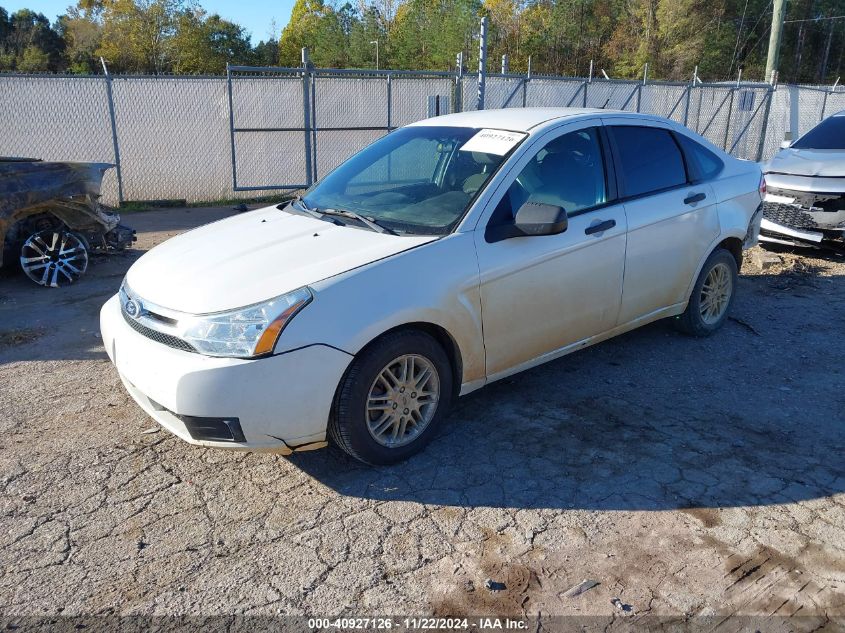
{"points": [[704, 163], [649, 158]]}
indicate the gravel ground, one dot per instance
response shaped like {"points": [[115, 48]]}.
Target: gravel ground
{"points": [[686, 476]]}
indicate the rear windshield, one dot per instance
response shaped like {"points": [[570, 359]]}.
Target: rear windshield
{"points": [[829, 134]]}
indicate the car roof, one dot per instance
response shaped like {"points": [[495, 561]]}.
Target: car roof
{"points": [[519, 119]]}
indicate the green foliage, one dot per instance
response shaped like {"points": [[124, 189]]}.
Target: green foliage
{"points": [[319, 27], [205, 44], [428, 33], [559, 36], [28, 43]]}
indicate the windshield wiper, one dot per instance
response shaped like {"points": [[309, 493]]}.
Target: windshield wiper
{"points": [[299, 206], [368, 222]]}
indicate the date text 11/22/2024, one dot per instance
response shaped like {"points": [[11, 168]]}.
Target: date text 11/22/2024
{"points": [[418, 624]]}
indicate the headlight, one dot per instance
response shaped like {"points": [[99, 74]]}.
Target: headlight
{"points": [[245, 332]]}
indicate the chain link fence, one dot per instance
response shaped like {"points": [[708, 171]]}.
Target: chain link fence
{"points": [[260, 130]]}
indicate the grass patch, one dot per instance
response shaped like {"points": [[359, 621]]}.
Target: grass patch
{"points": [[13, 338]]}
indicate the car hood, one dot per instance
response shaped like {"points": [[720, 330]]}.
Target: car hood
{"points": [[827, 163], [254, 257]]}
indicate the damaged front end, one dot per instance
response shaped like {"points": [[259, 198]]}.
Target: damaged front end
{"points": [[803, 218], [51, 218]]}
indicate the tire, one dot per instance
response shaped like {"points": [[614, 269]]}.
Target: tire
{"points": [[719, 271], [371, 408]]}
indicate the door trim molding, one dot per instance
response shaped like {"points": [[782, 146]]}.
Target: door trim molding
{"points": [[662, 313]]}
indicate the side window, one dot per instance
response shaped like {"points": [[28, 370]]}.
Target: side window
{"points": [[567, 172], [650, 159], [706, 163]]}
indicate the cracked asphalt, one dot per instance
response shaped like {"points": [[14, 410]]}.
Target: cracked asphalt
{"points": [[687, 477]]}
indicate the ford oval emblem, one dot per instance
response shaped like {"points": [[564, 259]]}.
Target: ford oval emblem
{"points": [[132, 308]]}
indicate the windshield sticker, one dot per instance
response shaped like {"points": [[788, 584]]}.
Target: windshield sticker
{"points": [[497, 142]]}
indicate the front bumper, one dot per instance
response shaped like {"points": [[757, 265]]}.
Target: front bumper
{"points": [[802, 218], [279, 403]]}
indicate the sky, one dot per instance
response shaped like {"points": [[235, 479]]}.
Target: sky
{"points": [[255, 15]]}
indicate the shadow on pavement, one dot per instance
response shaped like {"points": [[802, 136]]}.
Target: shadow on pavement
{"points": [[651, 420]]}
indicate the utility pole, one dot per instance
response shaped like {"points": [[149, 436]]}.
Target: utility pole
{"points": [[778, 12]]}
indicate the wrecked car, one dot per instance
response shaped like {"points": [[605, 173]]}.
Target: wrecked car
{"points": [[805, 182], [51, 218]]}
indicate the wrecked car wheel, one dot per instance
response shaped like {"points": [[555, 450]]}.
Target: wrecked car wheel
{"points": [[54, 257], [393, 398], [711, 296]]}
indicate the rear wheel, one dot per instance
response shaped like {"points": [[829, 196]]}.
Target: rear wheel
{"points": [[54, 257], [392, 399], [712, 296]]}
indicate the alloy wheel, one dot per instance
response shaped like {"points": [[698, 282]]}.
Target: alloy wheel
{"points": [[402, 400], [54, 258], [716, 294]]}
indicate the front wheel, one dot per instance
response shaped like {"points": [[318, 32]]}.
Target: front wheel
{"points": [[392, 399], [712, 296]]}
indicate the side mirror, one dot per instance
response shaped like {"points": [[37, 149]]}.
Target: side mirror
{"points": [[532, 218], [536, 218], [786, 144]]}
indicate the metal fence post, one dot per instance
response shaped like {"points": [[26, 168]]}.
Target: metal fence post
{"points": [[588, 82], [640, 87], [824, 106], [525, 84], [306, 106], [728, 123], [482, 63], [459, 82], [686, 105], [389, 103], [316, 175], [232, 127], [115, 144], [770, 93]]}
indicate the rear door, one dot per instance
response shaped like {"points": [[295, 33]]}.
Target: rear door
{"points": [[672, 218]]}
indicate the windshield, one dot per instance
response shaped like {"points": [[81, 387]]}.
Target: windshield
{"points": [[829, 134], [418, 179]]}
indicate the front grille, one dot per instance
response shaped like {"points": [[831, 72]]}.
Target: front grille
{"points": [[788, 215], [158, 337]]}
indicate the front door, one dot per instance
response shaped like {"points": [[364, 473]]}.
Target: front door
{"points": [[540, 294]]}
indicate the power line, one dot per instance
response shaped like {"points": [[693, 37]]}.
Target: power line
{"points": [[738, 35], [833, 17], [764, 14]]}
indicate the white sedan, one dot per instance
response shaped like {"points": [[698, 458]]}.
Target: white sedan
{"points": [[446, 255]]}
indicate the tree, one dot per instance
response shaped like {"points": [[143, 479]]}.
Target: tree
{"points": [[428, 33], [135, 33], [29, 43], [318, 27], [364, 29], [204, 44], [82, 34]]}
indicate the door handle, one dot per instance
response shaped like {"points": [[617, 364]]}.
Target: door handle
{"points": [[600, 227], [695, 197]]}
